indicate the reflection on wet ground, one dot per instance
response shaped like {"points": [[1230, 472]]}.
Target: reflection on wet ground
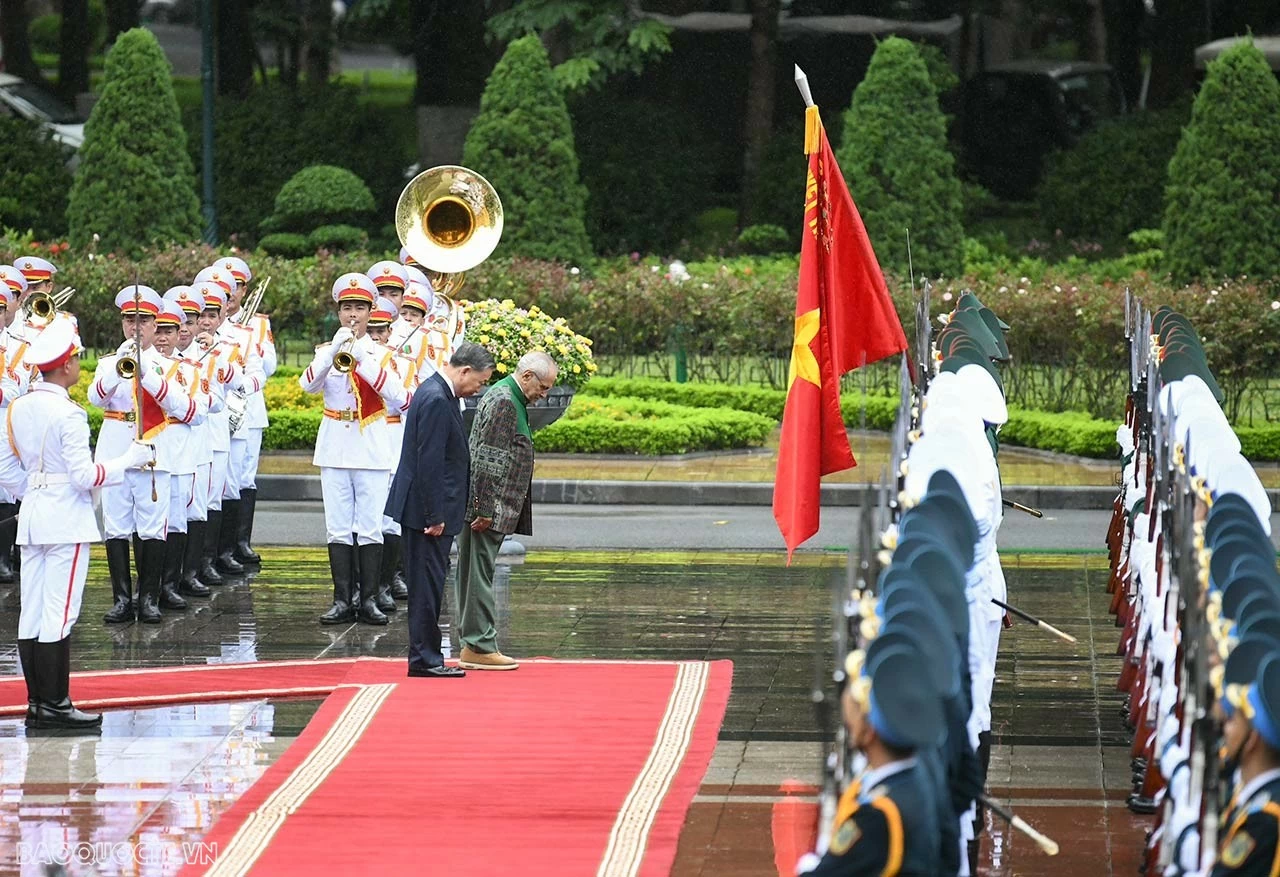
{"points": [[163, 775]]}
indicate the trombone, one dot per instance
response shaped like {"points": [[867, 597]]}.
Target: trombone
{"points": [[44, 306], [249, 308]]}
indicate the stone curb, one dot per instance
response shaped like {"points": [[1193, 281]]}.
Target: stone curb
{"points": [[303, 488]]}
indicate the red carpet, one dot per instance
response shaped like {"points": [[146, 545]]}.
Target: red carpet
{"points": [[560, 768]]}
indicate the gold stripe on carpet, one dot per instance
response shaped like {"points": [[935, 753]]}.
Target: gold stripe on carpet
{"points": [[630, 831], [252, 838]]}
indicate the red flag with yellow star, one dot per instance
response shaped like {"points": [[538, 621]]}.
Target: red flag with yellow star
{"points": [[844, 319]]}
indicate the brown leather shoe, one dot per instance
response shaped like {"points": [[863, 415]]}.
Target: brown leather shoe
{"points": [[473, 660]]}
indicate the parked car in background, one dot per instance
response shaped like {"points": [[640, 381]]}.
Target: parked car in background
{"points": [[168, 11], [21, 98], [1014, 114]]}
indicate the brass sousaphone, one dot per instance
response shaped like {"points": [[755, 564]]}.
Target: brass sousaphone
{"points": [[449, 219]]}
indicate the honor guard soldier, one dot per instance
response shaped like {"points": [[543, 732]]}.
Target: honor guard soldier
{"points": [[1252, 742], [219, 367], [239, 405], [392, 583], [12, 285], [353, 449], [886, 820], [255, 417], [200, 442], [178, 444], [46, 461], [140, 504]]}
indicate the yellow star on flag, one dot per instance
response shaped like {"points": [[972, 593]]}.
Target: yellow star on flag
{"points": [[803, 363]]}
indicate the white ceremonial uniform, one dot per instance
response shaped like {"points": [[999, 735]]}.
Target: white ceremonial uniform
{"points": [[249, 384], [46, 462], [222, 375], [354, 460], [179, 445], [128, 508], [200, 443], [255, 418]]}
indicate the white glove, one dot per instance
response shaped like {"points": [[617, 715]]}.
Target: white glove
{"points": [[139, 454], [151, 382], [128, 348], [343, 334]]}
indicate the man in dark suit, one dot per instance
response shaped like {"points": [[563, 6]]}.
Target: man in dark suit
{"points": [[429, 496]]}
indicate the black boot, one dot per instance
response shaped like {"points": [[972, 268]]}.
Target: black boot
{"points": [[370, 568], [391, 546], [192, 543], [150, 554], [171, 573], [54, 708], [226, 562], [27, 655], [244, 532], [121, 582], [209, 549], [7, 536], [386, 571], [341, 567]]}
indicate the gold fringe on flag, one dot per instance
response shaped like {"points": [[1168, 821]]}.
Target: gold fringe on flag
{"points": [[812, 130]]}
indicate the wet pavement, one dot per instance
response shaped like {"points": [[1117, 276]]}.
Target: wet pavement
{"points": [[160, 777]]}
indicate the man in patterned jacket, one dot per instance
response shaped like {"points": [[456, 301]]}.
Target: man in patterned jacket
{"points": [[501, 476]]}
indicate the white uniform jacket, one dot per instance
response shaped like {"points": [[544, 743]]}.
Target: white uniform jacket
{"points": [[344, 442], [264, 348], [115, 397], [176, 443]]}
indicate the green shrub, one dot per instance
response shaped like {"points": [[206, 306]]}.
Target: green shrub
{"points": [[764, 240], [134, 185], [45, 31], [522, 141], [1222, 204], [637, 159], [1112, 182], [288, 244], [322, 195], [1068, 432], [34, 179], [337, 237], [895, 160], [264, 141], [619, 425], [714, 230], [292, 430]]}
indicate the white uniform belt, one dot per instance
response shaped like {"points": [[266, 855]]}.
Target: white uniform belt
{"points": [[37, 480]]}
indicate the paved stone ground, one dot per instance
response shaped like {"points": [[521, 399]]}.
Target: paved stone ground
{"points": [[161, 776]]}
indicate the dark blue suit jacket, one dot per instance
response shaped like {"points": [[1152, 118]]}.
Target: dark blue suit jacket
{"points": [[435, 467]]}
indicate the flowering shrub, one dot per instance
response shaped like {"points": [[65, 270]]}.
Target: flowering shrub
{"points": [[510, 332]]}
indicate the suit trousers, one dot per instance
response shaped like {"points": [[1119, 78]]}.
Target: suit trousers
{"points": [[426, 564], [477, 614], [51, 588], [127, 508]]}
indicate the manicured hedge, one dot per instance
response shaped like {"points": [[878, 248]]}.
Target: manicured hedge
{"points": [[622, 425]]}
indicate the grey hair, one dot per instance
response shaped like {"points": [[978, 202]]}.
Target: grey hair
{"points": [[538, 362], [473, 355]]}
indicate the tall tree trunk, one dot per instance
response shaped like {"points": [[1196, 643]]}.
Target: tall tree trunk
{"points": [[1124, 44], [233, 49], [760, 99], [318, 39], [1178, 28], [452, 63], [122, 15], [73, 58], [17, 48]]}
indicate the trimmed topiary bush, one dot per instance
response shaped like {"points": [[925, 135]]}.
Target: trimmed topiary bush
{"points": [[522, 142], [1222, 204], [322, 195], [764, 240], [34, 180], [1112, 182], [288, 244], [338, 238], [135, 185], [895, 160]]}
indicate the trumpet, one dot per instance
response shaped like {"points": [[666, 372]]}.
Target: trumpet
{"points": [[127, 366], [343, 360]]}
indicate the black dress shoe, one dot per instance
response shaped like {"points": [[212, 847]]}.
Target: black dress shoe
{"points": [[442, 672]]}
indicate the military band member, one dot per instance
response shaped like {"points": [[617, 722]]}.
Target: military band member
{"points": [[255, 418], [46, 460], [409, 333], [392, 583], [391, 279], [353, 448], [39, 273], [140, 504], [180, 446], [12, 286]]}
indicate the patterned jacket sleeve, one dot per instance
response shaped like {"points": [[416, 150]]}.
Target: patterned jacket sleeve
{"points": [[492, 436]]}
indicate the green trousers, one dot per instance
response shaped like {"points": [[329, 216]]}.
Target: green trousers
{"points": [[477, 612]]}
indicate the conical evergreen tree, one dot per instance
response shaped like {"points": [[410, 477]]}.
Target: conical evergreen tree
{"points": [[522, 142], [1222, 201], [134, 186], [894, 157]]}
